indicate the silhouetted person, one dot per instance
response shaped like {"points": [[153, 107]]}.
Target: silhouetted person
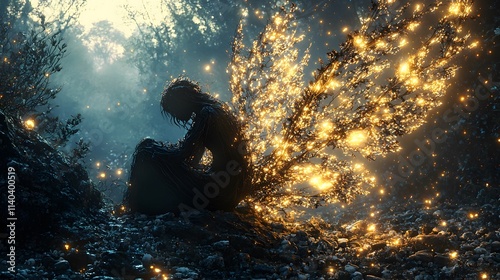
{"points": [[170, 178]]}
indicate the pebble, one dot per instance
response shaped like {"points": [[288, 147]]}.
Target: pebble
{"points": [[61, 265], [349, 268]]}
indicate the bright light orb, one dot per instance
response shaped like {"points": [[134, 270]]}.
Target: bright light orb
{"points": [[29, 124], [320, 184], [357, 138]]}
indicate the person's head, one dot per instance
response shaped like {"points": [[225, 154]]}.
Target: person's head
{"points": [[181, 98]]}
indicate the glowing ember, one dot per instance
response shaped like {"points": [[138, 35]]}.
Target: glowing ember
{"points": [[453, 255], [102, 175], [29, 124], [473, 215]]}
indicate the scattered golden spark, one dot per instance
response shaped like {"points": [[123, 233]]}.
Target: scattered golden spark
{"points": [[66, 246], [102, 175], [119, 172]]}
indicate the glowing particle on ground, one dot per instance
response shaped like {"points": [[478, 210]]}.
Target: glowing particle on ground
{"points": [[453, 255], [473, 215], [484, 275], [119, 172], [382, 191], [29, 124], [207, 67], [66, 246], [98, 164], [102, 175]]}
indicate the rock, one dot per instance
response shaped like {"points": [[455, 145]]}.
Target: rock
{"points": [[495, 246], [213, 262], [342, 242], [79, 260], [342, 275], [221, 245], [284, 271], [411, 233], [386, 274], [349, 268], [147, 259], [422, 256], [379, 246], [31, 262], [480, 250], [467, 235], [263, 269], [438, 213], [441, 260], [61, 266], [438, 243], [426, 229], [184, 272], [357, 276]]}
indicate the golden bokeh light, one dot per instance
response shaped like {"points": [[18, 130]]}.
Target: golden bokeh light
{"points": [[29, 124], [357, 138]]}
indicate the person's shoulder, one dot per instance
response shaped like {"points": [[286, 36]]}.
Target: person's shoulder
{"points": [[210, 110]]}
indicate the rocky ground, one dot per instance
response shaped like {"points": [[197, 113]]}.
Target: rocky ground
{"points": [[366, 240]]}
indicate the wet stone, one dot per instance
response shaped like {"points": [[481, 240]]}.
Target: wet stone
{"points": [[61, 265], [422, 256], [349, 268]]}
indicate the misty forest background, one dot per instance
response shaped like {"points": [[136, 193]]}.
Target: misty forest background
{"points": [[102, 85]]}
